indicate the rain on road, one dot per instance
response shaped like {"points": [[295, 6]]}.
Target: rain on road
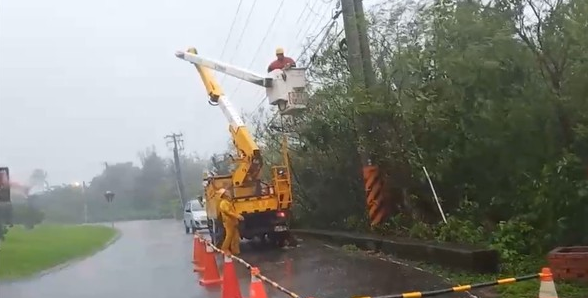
{"points": [[152, 259]]}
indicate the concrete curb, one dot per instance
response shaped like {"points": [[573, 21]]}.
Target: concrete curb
{"points": [[59, 267], [471, 259]]}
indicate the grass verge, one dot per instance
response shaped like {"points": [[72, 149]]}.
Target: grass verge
{"points": [[27, 252]]}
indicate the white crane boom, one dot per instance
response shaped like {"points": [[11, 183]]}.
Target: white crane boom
{"points": [[226, 68], [230, 113]]}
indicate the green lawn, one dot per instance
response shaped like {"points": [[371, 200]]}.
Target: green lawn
{"points": [[26, 252]]}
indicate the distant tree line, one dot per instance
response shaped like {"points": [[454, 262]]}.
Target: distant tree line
{"points": [[146, 191]]}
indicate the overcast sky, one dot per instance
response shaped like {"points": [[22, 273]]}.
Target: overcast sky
{"points": [[84, 82]]}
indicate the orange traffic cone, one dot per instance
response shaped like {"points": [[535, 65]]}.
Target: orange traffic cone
{"points": [[547, 287], [230, 288], [256, 289], [198, 255], [210, 274]]}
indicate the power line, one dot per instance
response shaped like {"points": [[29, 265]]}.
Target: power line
{"points": [[262, 41], [306, 19], [302, 13], [260, 103], [333, 21], [267, 33], [241, 35], [318, 22], [314, 12], [244, 27], [310, 26], [327, 28], [231, 28]]}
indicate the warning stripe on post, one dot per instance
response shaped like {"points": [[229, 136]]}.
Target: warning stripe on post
{"points": [[375, 195]]}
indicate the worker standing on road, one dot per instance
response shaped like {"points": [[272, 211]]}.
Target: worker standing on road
{"points": [[230, 219], [282, 62]]}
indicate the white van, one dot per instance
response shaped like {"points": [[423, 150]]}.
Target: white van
{"points": [[195, 217]]}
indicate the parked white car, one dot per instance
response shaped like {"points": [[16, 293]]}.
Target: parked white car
{"points": [[195, 217]]}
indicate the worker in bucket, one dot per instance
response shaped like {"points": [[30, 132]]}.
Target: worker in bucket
{"points": [[282, 62], [230, 219]]}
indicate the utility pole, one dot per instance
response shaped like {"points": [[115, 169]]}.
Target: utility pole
{"points": [[178, 144], [354, 58], [364, 45], [363, 78]]}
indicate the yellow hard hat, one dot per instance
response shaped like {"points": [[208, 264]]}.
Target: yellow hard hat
{"points": [[279, 51]]}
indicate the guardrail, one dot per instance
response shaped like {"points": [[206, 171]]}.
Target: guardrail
{"points": [[547, 288]]}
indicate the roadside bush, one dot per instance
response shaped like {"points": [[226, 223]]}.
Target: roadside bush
{"points": [[26, 215]]}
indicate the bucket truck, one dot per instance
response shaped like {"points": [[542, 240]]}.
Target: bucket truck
{"points": [[265, 206]]}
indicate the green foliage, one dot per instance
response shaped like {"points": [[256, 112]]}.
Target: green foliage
{"points": [[421, 230], [27, 215], [5, 218], [460, 231], [490, 100], [515, 240], [350, 248]]}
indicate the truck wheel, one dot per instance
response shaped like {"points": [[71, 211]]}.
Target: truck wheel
{"points": [[279, 239], [292, 241], [220, 236], [209, 225], [217, 233], [263, 239], [281, 242]]}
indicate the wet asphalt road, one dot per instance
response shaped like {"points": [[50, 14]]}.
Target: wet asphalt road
{"points": [[152, 260]]}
